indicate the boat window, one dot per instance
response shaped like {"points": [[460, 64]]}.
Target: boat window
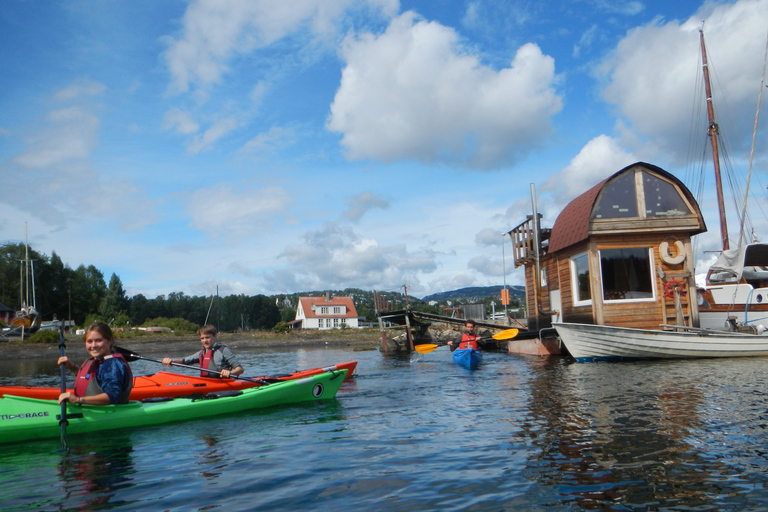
{"points": [[627, 273], [662, 198], [580, 273], [618, 199]]}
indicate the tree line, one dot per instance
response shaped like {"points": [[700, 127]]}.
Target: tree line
{"points": [[83, 295]]}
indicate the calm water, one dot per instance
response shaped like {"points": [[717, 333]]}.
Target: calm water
{"points": [[421, 433]]}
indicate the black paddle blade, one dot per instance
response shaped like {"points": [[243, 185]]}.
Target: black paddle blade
{"points": [[127, 354]]}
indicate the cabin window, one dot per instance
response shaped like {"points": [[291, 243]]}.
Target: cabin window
{"points": [[580, 273], [662, 198], [627, 274], [618, 199]]}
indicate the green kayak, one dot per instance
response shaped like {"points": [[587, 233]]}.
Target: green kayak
{"points": [[23, 419]]}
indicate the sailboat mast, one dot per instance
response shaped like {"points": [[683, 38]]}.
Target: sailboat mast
{"points": [[713, 132]]}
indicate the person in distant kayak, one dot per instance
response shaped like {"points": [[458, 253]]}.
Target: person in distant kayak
{"points": [[467, 339], [214, 356], [104, 378]]}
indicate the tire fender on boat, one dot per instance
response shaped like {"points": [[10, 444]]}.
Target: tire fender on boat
{"points": [[667, 258]]}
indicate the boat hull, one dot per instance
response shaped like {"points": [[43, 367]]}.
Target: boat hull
{"points": [[468, 358], [600, 342], [168, 384], [24, 419]]}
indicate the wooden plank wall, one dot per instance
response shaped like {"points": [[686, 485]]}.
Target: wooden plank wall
{"points": [[637, 314]]}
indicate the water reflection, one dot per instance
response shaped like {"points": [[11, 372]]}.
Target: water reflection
{"points": [[613, 435], [92, 475]]}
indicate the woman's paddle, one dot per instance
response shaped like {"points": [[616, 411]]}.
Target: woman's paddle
{"points": [[425, 348], [130, 356], [63, 421]]}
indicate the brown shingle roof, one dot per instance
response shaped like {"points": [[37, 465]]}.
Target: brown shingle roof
{"points": [[572, 225]]}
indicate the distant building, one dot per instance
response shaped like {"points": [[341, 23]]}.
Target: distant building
{"points": [[325, 313], [6, 313]]}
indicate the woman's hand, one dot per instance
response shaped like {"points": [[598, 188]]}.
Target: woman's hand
{"points": [[69, 397]]}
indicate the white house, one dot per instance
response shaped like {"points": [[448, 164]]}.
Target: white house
{"points": [[325, 313]]}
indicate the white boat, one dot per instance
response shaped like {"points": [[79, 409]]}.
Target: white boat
{"points": [[737, 288], [602, 342]]}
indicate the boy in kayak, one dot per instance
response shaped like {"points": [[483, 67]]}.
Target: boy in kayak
{"points": [[214, 356], [103, 379], [467, 339]]}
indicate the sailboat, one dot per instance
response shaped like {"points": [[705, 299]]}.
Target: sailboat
{"points": [[736, 294], [27, 319]]}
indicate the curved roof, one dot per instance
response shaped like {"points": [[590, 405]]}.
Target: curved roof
{"points": [[576, 222]]}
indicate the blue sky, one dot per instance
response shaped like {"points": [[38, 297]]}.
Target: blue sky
{"points": [[277, 147]]}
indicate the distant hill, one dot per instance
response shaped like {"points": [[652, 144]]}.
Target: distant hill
{"points": [[476, 292]]}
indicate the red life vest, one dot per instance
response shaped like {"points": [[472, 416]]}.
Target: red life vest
{"points": [[86, 385], [468, 341], [206, 357]]}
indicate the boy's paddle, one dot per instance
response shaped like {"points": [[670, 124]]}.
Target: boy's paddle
{"points": [[63, 421], [130, 356], [425, 348]]}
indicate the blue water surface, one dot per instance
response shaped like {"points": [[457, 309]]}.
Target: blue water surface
{"points": [[417, 432]]}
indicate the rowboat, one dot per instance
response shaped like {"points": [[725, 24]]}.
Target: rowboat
{"points": [[168, 384], [602, 342], [468, 358], [24, 419]]}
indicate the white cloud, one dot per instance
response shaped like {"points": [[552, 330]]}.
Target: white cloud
{"points": [[598, 159], [652, 74], [413, 93], [71, 134], [359, 205], [224, 212], [214, 32], [490, 237], [276, 138], [180, 121], [83, 88], [335, 256], [209, 137]]}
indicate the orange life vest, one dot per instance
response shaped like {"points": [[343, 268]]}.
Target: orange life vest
{"points": [[468, 341]]}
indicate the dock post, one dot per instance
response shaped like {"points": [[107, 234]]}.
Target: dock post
{"points": [[408, 334], [384, 344]]}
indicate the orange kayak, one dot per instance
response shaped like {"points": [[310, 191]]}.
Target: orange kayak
{"points": [[168, 384]]}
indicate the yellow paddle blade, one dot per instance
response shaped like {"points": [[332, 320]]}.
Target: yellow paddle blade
{"points": [[505, 335], [425, 348]]}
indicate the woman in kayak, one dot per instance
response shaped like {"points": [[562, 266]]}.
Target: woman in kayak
{"points": [[103, 379], [467, 339], [214, 356]]}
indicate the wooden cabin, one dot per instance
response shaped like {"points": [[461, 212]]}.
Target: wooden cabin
{"points": [[619, 254]]}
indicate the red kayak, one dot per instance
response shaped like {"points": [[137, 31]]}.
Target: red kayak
{"points": [[167, 384]]}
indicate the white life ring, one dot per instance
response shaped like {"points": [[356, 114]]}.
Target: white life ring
{"points": [[667, 258]]}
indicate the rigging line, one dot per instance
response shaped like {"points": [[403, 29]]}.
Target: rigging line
{"points": [[754, 136]]}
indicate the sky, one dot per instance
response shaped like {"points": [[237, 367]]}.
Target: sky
{"points": [[261, 147]]}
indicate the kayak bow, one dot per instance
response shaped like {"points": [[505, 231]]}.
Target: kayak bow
{"points": [[468, 358]]}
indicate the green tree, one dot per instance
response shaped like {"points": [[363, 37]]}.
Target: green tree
{"points": [[88, 289], [114, 303]]}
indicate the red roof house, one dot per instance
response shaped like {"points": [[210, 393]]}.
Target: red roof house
{"points": [[325, 313]]}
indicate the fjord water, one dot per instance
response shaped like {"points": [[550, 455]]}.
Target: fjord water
{"points": [[421, 433]]}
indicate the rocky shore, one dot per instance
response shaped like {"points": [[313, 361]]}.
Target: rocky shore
{"points": [[170, 344]]}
